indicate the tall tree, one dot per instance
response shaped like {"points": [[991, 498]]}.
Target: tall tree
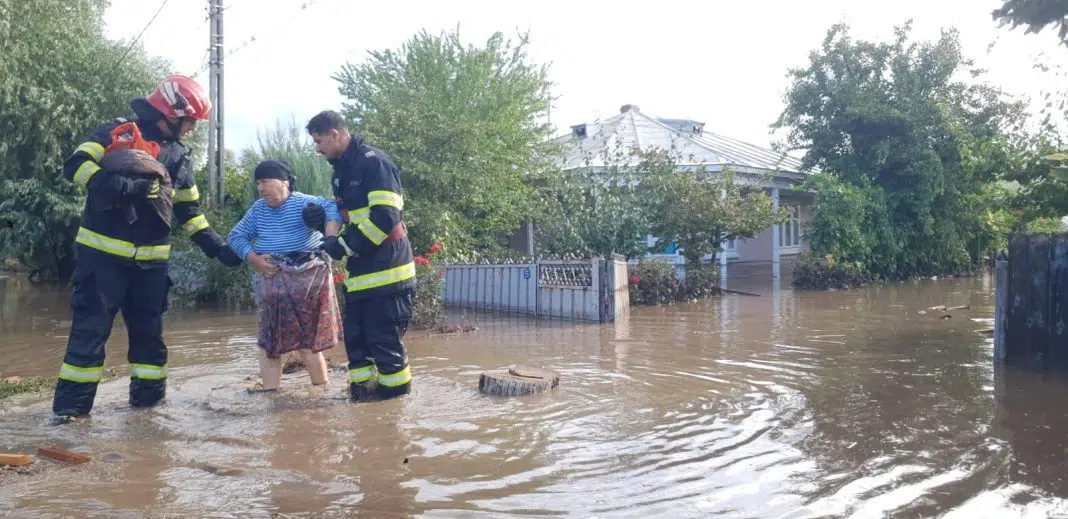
{"points": [[51, 95], [893, 121], [467, 126]]}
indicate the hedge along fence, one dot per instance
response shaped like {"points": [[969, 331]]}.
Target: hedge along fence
{"points": [[657, 282]]}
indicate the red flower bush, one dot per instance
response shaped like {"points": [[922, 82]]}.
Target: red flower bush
{"points": [[427, 305]]}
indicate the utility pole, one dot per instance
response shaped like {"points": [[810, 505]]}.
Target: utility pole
{"points": [[216, 146], [212, 88]]}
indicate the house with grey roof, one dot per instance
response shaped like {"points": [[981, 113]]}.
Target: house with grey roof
{"points": [[780, 174]]}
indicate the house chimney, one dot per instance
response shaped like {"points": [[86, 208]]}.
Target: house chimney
{"points": [[628, 108]]}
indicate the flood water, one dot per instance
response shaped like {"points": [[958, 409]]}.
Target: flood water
{"points": [[788, 405]]}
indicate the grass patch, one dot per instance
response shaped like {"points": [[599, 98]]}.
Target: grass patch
{"points": [[17, 386]]}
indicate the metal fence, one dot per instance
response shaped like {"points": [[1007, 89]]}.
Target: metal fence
{"points": [[583, 290]]}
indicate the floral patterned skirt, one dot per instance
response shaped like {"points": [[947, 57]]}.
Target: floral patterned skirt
{"points": [[298, 305]]}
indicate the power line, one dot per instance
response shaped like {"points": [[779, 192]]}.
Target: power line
{"points": [[303, 7], [138, 38]]}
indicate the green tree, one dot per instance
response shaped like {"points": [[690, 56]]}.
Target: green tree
{"points": [[465, 124], [699, 210], [1034, 15], [599, 209], [916, 145], [51, 96], [1040, 168]]}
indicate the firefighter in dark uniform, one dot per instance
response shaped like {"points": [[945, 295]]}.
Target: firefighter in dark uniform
{"points": [[380, 271], [122, 262]]}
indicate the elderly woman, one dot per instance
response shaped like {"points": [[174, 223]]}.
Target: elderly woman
{"points": [[294, 287]]}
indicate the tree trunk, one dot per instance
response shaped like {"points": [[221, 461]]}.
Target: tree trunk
{"points": [[518, 380]]}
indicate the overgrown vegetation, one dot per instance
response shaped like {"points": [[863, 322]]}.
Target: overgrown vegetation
{"points": [[908, 151], [51, 97], [700, 211], [655, 282], [617, 198]]}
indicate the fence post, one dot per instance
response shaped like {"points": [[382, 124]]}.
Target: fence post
{"points": [[1001, 302], [607, 289]]}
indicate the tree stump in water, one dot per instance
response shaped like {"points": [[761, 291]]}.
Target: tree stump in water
{"points": [[518, 380]]}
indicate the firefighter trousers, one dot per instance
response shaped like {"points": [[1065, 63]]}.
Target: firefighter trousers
{"points": [[104, 285], [374, 342]]}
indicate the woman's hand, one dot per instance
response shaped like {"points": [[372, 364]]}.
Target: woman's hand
{"points": [[262, 264]]}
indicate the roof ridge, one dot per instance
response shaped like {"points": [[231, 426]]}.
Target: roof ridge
{"points": [[690, 138]]}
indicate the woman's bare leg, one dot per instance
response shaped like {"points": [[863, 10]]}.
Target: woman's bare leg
{"points": [[315, 363], [270, 372]]}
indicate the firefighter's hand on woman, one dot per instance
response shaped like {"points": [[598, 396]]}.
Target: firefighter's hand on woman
{"points": [[333, 247], [262, 263]]}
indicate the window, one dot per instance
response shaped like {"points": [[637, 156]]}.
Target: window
{"points": [[790, 231]]}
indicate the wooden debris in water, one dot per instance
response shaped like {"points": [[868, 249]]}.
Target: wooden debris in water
{"points": [[15, 460], [944, 308], [222, 470], [64, 455], [518, 380]]}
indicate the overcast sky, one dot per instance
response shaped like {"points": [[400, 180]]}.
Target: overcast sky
{"points": [[715, 61]]}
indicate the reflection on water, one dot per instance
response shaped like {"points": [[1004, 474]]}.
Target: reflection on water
{"points": [[793, 404]]}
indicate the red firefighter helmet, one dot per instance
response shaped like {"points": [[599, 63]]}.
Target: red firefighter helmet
{"points": [[180, 96]]}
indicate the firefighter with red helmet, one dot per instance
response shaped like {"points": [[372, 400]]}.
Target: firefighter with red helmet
{"points": [[122, 260]]}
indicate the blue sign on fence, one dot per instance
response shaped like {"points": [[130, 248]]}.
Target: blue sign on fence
{"points": [[526, 273]]}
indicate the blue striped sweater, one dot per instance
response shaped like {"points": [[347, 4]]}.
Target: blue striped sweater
{"points": [[266, 229]]}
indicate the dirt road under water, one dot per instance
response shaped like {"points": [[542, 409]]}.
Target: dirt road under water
{"points": [[794, 404]]}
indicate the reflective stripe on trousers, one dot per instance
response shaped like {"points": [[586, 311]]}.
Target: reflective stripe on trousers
{"points": [[399, 378], [361, 375], [74, 373], [148, 372]]}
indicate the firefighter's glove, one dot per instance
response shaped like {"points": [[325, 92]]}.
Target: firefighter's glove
{"points": [[144, 188], [314, 217], [332, 246], [227, 257]]}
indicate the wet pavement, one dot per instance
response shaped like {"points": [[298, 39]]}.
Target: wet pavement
{"points": [[789, 405]]}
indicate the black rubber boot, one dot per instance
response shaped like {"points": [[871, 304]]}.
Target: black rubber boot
{"points": [[64, 417], [386, 392], [147, 393], [363, 392]]}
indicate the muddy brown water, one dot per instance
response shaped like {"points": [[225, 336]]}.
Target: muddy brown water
{"points": [[789, 405]]}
